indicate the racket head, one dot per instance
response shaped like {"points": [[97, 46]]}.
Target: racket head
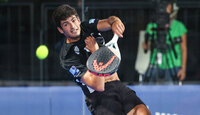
{"points": [[103, 62]]}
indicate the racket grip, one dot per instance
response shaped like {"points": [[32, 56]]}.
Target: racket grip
{"points": [[114, 40], [115, 37]]}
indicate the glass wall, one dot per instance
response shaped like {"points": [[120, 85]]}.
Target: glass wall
{"points": [[25, 26]]}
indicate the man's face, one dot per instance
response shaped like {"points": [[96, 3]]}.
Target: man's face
{"points": [[169, 9], [71, 27]]}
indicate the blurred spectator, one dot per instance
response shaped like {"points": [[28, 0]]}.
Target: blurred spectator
{"points": [[168, 45]]}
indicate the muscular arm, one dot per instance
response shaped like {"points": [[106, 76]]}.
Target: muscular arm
{"points": [[94, 82], [182, 72], [113, 23]]}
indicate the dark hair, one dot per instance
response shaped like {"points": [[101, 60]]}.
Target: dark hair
{"points": [[62, 13]]}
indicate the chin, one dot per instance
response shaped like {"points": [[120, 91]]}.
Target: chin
{"points": [[75, 36]]}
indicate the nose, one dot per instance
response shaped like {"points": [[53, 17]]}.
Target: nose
{"points": [[72, 25]]}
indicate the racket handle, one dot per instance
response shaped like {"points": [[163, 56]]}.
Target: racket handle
{"points": [[114, 40]]}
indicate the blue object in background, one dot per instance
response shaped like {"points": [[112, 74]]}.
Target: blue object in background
{"points": [[170, 99], [66, 101], [24, 101], [69, 100]]}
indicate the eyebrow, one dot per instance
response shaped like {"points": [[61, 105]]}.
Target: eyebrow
{"points": [[70, 20], [73, 18]]}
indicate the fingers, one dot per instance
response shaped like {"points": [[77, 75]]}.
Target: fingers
{"points": [[181, 75], [118, 28], [91, 44], [89, 40]]}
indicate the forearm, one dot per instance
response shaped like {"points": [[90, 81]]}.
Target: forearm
{"points": [[94, 82], [184, 59], [184, 52], [113, 23], [106, 24]]}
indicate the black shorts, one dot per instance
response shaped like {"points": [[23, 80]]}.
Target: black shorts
{"points": [[117, 99]]}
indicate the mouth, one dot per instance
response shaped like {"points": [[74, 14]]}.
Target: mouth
{"points": [[74, 31]]}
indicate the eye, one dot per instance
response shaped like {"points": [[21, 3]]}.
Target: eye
{"points": [[65, 24], [74, 19]]}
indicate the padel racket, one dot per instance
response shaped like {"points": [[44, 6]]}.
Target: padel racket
{"points": [[106, 60]]}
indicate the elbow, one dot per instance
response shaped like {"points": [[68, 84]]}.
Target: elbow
{"points": [[99, 88], [93, 82]]}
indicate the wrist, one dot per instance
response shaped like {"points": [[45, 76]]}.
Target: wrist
{"points": [[183, 68], [95, 48], [112, 20]]}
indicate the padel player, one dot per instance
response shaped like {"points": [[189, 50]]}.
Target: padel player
{"points": [[108, 96]]}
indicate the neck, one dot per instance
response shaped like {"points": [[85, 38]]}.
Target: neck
{"points": [[69, 40]]}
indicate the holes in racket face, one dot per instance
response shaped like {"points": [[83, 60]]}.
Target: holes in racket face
{"points": [[106, 60], [103, 62], [100, 66]]}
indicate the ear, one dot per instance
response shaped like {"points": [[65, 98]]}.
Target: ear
{"points": [[60, 30]]}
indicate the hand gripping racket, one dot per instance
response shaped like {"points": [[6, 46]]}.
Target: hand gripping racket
{"points": [[106, 60]]}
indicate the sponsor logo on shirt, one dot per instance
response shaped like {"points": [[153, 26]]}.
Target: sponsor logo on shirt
{"points": [[91, 21], [76, 50], [74, 71]]}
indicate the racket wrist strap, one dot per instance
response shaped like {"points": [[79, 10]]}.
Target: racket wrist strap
{"points": [[113, 19]]}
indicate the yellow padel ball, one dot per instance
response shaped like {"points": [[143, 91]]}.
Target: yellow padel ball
{"points": [[42, 52]]}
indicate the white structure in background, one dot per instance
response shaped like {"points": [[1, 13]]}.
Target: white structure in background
{"points": [[142, 60]]}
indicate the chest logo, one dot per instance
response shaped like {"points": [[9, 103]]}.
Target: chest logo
{"points": [[76, 50], [91, 21]]}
